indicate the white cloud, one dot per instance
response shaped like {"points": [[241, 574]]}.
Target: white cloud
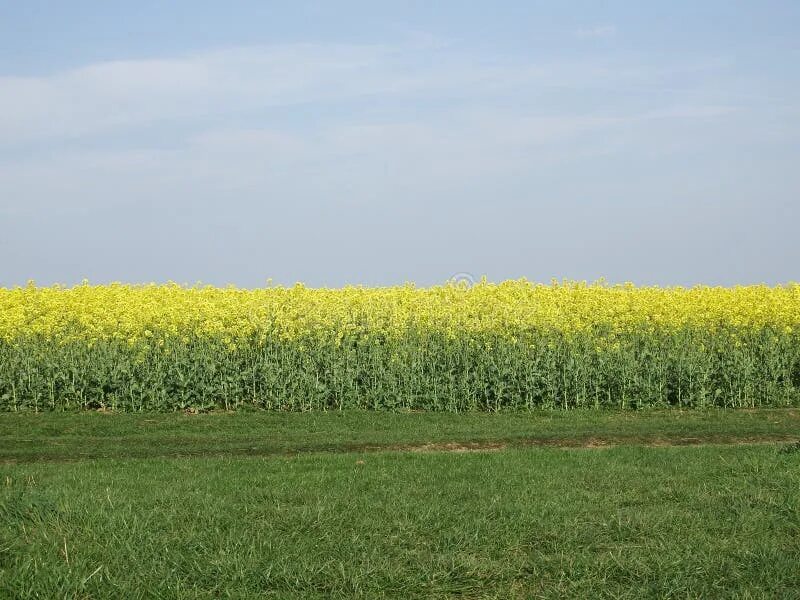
{"points": [[364, 119], [119, 96], [111, 95]]}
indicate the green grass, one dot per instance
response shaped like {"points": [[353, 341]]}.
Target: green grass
{"points": [[82, 435], [168, 506]]}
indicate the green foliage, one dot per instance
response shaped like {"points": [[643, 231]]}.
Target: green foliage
{"points": [[419, 371]]}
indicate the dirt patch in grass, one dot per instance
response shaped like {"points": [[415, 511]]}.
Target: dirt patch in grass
{"points": [[591, 443], [454, 447]]}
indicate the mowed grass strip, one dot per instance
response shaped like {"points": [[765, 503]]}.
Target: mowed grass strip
{"points": [[625, 522], [75, 436]]}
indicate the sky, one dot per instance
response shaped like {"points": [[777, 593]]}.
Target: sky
{"points": [[378, 143]]}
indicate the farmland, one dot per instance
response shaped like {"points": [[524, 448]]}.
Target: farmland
{"points": [[490, 347], [508, 440]]}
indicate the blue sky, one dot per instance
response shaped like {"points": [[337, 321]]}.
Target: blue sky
{"points": [[377, 142]]}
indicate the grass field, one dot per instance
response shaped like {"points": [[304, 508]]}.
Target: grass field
{"points": [[661, 504]]}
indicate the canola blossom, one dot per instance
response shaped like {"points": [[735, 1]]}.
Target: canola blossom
{"points": [[515, 344]]}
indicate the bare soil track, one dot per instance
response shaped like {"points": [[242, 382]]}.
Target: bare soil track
{"points": [[592, 442]]}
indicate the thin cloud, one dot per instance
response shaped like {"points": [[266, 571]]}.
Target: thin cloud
{"points": [[357, 162], [121, 96], [599, 31], [319, 121]]}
